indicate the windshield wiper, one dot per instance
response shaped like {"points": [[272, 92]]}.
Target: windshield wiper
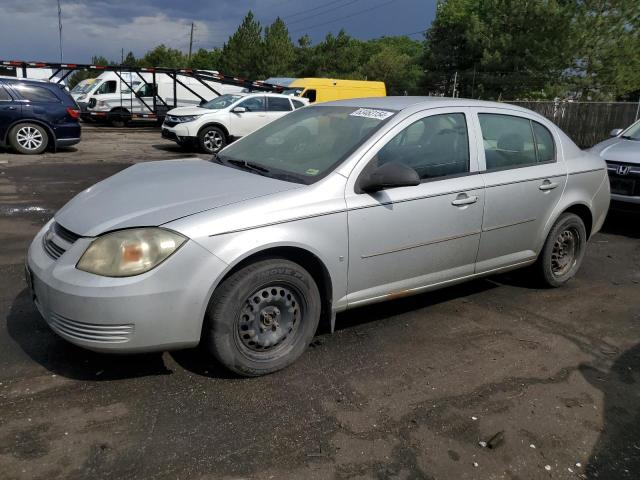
{"points": [[628, 137], [248, 165]]}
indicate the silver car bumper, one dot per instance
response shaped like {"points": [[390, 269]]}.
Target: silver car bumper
{"points": [[159, 310], [625, 198]]}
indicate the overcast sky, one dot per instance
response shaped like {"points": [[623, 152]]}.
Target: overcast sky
{"points": [[29, 28]]}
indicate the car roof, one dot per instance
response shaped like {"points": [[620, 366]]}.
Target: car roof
{"points": [[405, 102], [27, 80]]}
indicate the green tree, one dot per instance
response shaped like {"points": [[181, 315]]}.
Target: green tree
{"points": [[278, 53], [130, 60], [80, 75], [240, 55], [499, 48], [607, 48], [206, 59], [163, 56], [396, 62]]}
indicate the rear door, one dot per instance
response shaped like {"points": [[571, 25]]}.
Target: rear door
{"points": [[10, 111], [277, 107], [524, 177]]}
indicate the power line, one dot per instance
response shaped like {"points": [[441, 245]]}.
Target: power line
{"points": [[330, 10], [360, 12], [301, 12]]}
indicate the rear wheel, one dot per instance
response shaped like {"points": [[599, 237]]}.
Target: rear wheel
{"points": [[119, 118], [262, 317], [28, 138], [212, 139], [563, 251]]}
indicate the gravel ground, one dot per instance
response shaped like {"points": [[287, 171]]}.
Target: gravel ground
{"points": [[404, 390]]}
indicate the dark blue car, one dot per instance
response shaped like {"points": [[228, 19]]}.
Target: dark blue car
{"points": [[36, 115]]}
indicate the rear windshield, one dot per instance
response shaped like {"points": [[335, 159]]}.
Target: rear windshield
{"points": [[308, 143]]}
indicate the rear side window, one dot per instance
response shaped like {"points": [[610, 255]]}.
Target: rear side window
{"points": [[509, 141], [34, 93], [434, 146], [276, 104], [297, 103], [544, 143], [4, 95]]}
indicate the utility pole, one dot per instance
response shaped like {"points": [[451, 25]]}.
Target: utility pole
{"points": [[121, 55], [455, 84], [191, 41], [60, 29]]}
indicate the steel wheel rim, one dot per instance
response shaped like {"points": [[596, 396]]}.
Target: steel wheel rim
{"points": [[269, 319], [213, 141], [29, 138], [565, 252]]}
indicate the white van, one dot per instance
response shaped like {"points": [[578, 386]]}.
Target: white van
{"points": [[109, 98]]}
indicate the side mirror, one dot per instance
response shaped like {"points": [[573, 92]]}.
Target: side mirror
{"points": [[202, 102], [239, 110], [615, 132], [389, 175]]}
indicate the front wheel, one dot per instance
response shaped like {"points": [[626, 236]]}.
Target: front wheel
{"points": [[563, 251], [212, 139], [262, 317], [28, 138]]}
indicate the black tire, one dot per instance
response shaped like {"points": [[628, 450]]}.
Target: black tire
{"points": [[119, 118], [211, 139], [263, 317], [563, 251], [29, 138]]}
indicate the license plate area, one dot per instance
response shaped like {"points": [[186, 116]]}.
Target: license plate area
{"points": [[622, 186]]}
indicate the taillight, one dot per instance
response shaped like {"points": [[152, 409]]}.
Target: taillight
{"points": [[73, 113]]}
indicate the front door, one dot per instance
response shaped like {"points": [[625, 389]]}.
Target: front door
{"points": [[10, 111], [409, 238], [254, 116], [524, 180]]}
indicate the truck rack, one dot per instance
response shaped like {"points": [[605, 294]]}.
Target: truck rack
{"points": [[159, 107]]}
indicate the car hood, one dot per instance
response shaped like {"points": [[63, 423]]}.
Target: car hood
{"points": [[154, 193], [182, 111], [619, 150]]}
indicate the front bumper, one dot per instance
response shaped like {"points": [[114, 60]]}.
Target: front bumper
{"points": [[178, 133], [625, 199], [159, 310]]}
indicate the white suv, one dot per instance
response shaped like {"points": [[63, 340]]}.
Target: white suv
{"points": [[218, 122]]}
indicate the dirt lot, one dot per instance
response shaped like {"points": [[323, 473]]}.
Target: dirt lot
{"points": [[402, 390]]}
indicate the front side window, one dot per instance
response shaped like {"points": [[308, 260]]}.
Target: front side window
{"points": [[307, 143], [253, 104], [310, 94], [107, 87], [147, 90], [277, 104], [434, 146], [34, 93], [511, 141]]}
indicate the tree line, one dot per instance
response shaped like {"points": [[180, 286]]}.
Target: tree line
{"points": [[490, 49]]}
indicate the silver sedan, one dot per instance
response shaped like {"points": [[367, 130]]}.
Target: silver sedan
{"points": [[331, 207], [622, 154]]}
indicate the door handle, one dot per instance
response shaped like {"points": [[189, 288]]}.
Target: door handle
{"points": [[463, 199], [547, 185], [10, 108]]}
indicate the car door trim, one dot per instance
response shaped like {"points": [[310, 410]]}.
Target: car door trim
{"points": [[585, 171], [497, 227], [522, 180], [418, 245]]}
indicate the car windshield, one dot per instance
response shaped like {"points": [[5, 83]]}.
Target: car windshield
{"points": [[223, 101], [83, 87], [306, 144], [633, 133]]}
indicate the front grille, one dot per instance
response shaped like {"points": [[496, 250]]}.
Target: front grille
{"points": [[624, 178], [57, 240], [90, 331]]}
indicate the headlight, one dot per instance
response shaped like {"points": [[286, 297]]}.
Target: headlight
{"points": [[187, 118], [129, 252]]}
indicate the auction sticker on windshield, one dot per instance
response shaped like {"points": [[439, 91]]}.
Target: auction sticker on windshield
{"points": [[371, 113]]}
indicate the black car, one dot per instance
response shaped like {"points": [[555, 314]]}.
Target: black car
{"points": [[36, 115]]}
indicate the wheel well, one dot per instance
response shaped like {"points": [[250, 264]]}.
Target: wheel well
{"points": [[218, 125], [309, 262], [51, 145], [119, 109], [585, 215]]}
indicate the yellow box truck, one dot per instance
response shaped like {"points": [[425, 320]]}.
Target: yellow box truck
{"points": [[326, 89]]}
